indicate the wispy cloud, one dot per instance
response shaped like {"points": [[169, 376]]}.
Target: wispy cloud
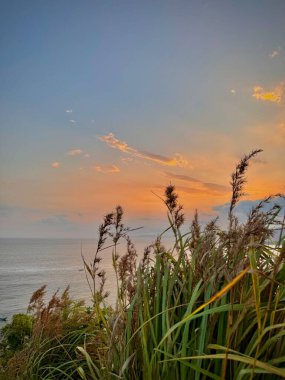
{"points": [[72, 121], [113, 142], [176, 160], [68, 111], [127, 160], [193, 190], [75, 152], [203, 186], [274, 96], [274, 54], [216, 187], [107, 169], [78, 153], [182, 177], [56, 219], [55, 165]]}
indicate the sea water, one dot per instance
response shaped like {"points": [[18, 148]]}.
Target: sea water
{"points": [[27, 264]]}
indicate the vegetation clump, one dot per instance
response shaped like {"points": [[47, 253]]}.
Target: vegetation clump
{"points": [[212, 307]]}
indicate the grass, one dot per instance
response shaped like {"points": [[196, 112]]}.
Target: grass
{"points": [[212, 307]]}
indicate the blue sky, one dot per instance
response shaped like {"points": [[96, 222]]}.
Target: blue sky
{"points": [[199, 81]]}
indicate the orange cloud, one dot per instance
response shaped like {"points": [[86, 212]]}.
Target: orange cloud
{"points": [[274, 96], [107, 169], [176, 160], [55, 165], [115, 143]]}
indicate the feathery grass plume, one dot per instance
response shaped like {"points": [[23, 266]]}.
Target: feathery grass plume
{"points": [[209, 258], [258, 229], [118, 225], [146, 257], [212, 307], [175, 210], [193, 309], [48, 315], [104, 229], [238, 179], [127, 273], [114, 229], [195, 231], [59, 326], [92, 269], [37, 300]]}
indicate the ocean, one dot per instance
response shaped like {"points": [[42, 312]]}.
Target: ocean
{"points": [[27, 264]]}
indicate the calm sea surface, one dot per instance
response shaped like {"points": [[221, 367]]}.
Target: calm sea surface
{"points": [[27, 264]]}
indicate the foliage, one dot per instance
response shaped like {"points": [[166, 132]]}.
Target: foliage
{"points": [[14, 335], [59, 326], [212, 307]]}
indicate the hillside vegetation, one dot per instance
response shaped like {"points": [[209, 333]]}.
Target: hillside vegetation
{"points": [[212, 307]]}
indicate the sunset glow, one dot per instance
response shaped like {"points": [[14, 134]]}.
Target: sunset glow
{"points": [[106, 103]]}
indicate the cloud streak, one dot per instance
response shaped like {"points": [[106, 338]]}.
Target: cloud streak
{"points": [[107, 169], [182, 177], [56, 219], [113, 142], [204, 187], [75, 152], [274, 96], [193, 190]]}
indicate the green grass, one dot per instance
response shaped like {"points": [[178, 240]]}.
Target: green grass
{"points": [[212, 307]]}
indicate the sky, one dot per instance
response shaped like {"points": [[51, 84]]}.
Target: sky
{"points": [[108, 102]]}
